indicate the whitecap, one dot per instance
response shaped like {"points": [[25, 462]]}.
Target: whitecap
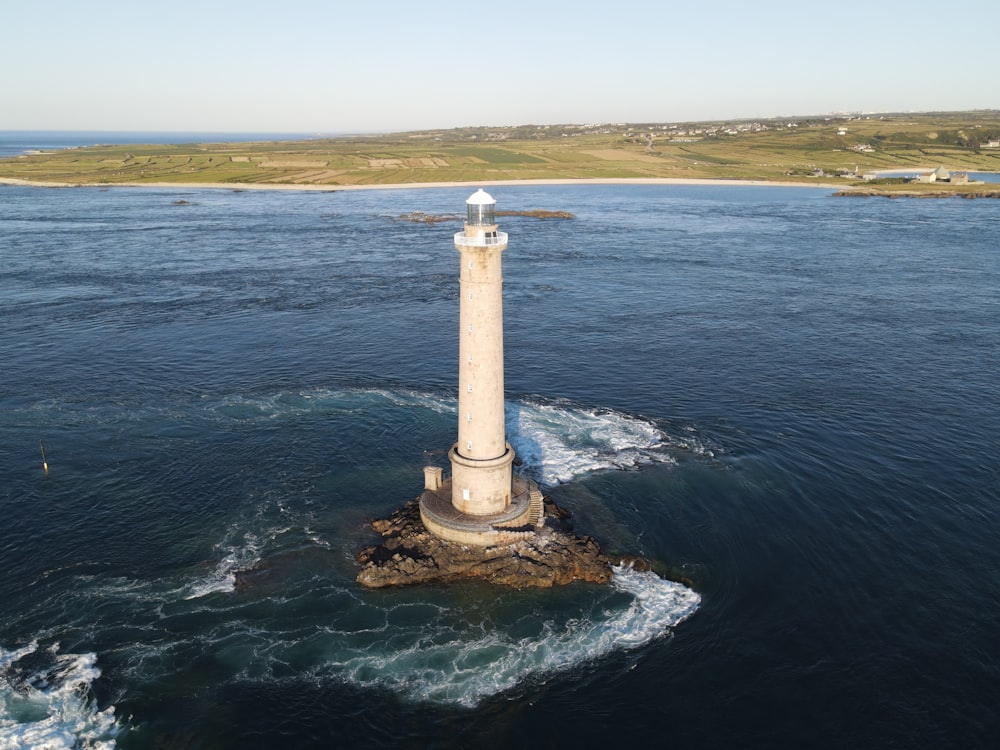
{"points": [[48, 704], [241, 554], [466, 668], [557, 443]]}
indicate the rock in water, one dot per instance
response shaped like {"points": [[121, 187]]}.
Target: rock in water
{"points": [[409, 554]]}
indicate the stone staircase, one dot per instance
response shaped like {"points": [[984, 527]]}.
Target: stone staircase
{"points": [[536, 501]]}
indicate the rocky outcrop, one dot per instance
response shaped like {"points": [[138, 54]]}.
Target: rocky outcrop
{"points": [[877, 193], [419, 217], [552, 555]]}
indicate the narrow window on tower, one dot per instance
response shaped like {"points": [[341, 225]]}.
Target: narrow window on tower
{"points": [[470, 387], [470, 296], [469, 417], [465, 494], [469, 445]]}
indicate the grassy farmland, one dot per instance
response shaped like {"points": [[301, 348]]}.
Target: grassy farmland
{"points": [[790, 149]]}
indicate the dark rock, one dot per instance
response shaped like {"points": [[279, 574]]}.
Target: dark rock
{"points": [[881, 193], [631, 561], [551, 556], [251, 578]]}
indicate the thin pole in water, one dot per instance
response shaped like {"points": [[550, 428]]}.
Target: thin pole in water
{"points": [[45, 464]]}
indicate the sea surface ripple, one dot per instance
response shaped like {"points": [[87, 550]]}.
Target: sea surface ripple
{"points": [[787, 400]]}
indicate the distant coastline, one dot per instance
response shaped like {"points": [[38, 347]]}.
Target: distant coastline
{"points": [[861, 191], [829, 153], [237, 186]]}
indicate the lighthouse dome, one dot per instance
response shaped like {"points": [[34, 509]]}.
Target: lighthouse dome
{"points": [[480, 198]]}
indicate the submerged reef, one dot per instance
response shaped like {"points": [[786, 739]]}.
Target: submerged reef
{"points": [[419, 217]]}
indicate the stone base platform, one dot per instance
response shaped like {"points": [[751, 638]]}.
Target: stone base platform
{"points": [[544, 555], [444, 520]]}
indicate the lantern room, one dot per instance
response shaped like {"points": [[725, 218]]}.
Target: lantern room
{"points": [[480, 209]]}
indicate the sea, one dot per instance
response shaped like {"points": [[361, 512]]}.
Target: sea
{"points": [[786, 401]]}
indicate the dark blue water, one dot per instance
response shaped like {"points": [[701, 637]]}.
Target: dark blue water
{"points": [[787, 398]]}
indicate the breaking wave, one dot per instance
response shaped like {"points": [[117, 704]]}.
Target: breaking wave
{"points": [[46, 702], [238, 554], [560, 430], [427, 650], [557, 442], [465, 671]]}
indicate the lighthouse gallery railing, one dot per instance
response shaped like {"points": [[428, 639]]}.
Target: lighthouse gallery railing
{"points": [[499, 239]]}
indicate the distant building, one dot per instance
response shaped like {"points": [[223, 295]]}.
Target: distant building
{"points": [[938, 174]]}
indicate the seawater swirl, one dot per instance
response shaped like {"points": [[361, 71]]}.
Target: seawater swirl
{"points": [[468, 670], [427, 647]]}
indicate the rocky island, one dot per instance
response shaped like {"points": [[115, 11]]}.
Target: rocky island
{"points": [[483, 521], [552, 555]]}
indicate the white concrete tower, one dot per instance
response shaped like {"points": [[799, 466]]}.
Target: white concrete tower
{"points": [[482, 503], [481, 457]]}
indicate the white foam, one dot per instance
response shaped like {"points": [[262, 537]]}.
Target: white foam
{"points": [[467, 668], [555, 442], [51, 707], [222, 579], [558, 443], [240, 554]]}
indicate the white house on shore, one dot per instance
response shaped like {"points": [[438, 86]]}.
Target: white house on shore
{"points": [[940, 173]]}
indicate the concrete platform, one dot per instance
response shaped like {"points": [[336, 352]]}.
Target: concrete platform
{"points": [[444, 520]]}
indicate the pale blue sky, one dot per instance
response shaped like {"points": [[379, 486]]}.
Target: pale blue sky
{"points": [[333, 66]]}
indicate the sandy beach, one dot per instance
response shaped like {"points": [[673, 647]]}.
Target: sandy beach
{"points": [[409, 185]]}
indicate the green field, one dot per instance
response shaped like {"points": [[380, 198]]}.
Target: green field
{"points": [[789, 149]]}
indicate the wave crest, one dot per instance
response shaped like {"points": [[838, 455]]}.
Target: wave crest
{"points": [[466, 671], [46, 701]]}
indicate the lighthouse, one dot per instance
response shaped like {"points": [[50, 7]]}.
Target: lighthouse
{"points": [[483, 520], [482, 502]]}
